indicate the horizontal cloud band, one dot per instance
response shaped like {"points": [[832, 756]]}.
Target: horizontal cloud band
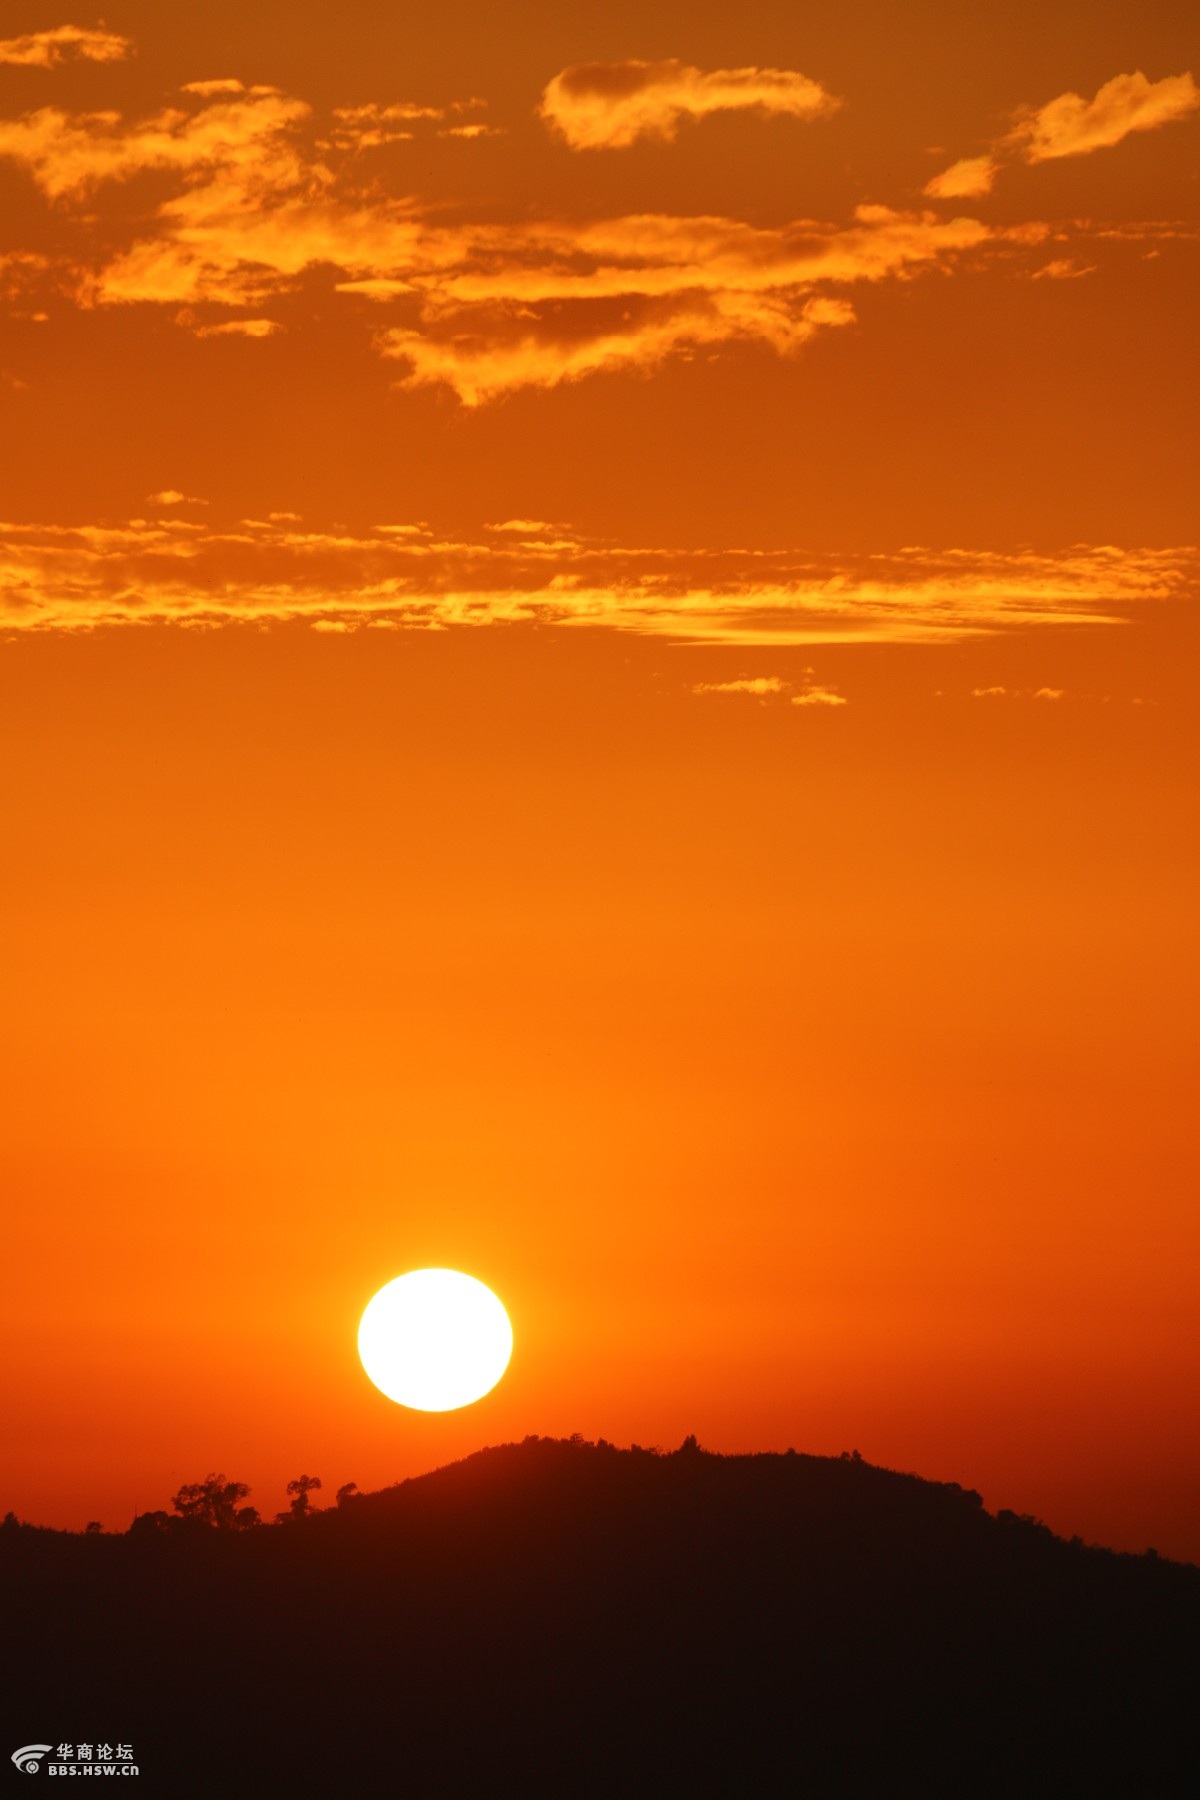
{"points": [[179, 572]]}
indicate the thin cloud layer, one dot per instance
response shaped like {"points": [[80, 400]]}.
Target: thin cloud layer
{"points": [[64, 43], [766, 687], [758, 686], [172, 571], [609, 106], [1072, 126]]}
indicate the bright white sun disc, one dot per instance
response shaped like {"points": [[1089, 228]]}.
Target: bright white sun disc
{"points": [[434, 1339]]}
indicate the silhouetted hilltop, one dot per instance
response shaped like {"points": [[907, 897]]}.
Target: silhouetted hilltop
{"points": [[564, 1618]]}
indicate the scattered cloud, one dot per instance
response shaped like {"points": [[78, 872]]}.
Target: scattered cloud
{"points": [[762, 687], [175, 571], [64, 43], [758, 685], [1004, 693], [472, 131], [174, 497], [1072, 126], [538, 305], [207, 89], [251, 328], [967, 179], [1063, 268], [610, 105], [481, 307], [818, 696], [367, 127]]}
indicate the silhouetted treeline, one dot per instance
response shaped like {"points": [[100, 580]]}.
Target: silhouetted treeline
{"points": [[559, 1618]]}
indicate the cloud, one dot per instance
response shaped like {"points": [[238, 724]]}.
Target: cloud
{"points": [[368, 127], [481, 307], [819, 697], [759, 685], [65, 43], [484, 353], [175, 571], [173, 497], [251, 328], [965, 180], [1072, 126], [1062, 268], [244, 134], [207, 89], [1003, 693], [534, 306], [610, 105], [25, 280]]}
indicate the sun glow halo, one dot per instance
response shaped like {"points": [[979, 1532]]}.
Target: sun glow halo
{"points": [[435, 1340]]}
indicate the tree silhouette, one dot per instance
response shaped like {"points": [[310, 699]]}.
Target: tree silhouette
{"points": [[347, 1491], [214, 1502], [301, 1506]]}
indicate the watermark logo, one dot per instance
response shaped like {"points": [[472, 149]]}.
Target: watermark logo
{"points": [[29, 1756], [72, 1759]]}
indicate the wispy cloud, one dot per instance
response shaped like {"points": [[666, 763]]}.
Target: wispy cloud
{"points": [[534, 306], [472, 131], [368, 127], [1062, 268], [1072, 126], [968, 179], [756, 685], [1005, 693], [251, 328], [610, 105], [64, 43], [807, 692], [819, 696], [177, 571]]}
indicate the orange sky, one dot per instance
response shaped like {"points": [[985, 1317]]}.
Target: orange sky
{"points": [[597, 643]]}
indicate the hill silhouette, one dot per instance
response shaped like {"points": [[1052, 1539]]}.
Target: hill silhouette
{"points": [[561, 1618]]}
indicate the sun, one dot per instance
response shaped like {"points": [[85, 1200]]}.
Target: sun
{"points": [[434, 1340]]}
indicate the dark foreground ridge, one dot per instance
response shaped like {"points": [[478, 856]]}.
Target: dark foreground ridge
{"points": [[559, 1618]]}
